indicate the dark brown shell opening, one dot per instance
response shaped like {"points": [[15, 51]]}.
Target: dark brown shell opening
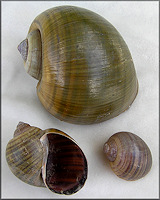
{"points": [[65, 169]]}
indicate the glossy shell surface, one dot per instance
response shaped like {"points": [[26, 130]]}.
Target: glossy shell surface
{"points": [[128, 155], [87, 73]]}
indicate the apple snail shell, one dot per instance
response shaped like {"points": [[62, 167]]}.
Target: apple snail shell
{"points": [[128, 155], [85, 70], [48, 158]]}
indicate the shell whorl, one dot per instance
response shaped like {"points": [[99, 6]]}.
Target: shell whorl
{"points": [[31, 51], [21, 128], [133, 160], [110, 149], [24, 154]]}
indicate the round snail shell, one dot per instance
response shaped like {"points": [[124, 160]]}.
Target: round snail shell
{"points": [[48, 158], [128, 155], [84, 67]]}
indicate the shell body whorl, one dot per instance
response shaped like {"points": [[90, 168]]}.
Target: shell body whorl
{"points": [[133, 158], [48, 158], [87, 72], [24, 154]]}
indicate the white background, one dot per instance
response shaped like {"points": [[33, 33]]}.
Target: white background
{"points": [[137, 22]]}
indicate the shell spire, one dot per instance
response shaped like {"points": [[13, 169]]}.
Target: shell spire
{"points": [[21, 128], [23, 49], [30, 50], [110, 150]]}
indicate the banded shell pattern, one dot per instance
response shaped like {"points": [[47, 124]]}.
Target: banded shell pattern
{"points": [[85, 70], [24, 154], [128, 155]]}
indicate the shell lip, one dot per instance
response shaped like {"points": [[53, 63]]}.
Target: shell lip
{"points": [[58, 132]]}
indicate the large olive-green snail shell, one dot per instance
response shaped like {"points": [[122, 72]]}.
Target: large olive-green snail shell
{"points": [[48, 158], [128, 155], [84, 67]]}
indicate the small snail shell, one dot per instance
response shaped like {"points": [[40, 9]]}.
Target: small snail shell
{"points": [[128, 155], [48, 158], [85, 70]]}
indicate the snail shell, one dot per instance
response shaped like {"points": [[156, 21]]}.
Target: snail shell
{"points": [[48, 158], [85, 70], [128, 155]]}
